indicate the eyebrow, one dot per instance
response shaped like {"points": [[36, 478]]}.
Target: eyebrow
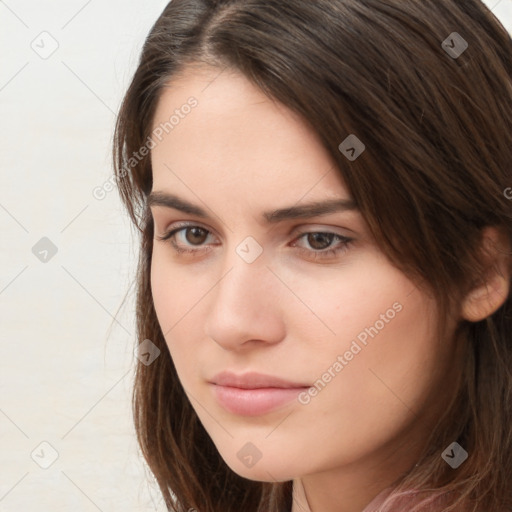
{"points": [[303, 211]]}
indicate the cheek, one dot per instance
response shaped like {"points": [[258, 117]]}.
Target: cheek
{"points": [[359, 300], [163, 289], [175, 296], [383, 383], [382, 359], [176, 289]]}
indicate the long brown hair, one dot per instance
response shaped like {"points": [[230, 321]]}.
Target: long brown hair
{"points": [[437, 128]]}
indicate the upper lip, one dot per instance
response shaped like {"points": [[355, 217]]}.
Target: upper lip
{"points": [[253, 380]]}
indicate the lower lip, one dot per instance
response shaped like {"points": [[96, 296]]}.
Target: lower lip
{"points": [[254, 402]]}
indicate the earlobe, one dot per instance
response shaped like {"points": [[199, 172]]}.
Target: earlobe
{"points": [[489, 296]]}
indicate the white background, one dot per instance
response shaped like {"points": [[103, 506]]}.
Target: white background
{"points": [[65, 378]]}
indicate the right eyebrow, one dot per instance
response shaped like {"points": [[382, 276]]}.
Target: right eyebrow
{"points": [[171, 201]]}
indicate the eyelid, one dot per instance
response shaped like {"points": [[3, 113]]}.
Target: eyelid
{"points": [[188, 224], [342, 239], [321, 228], [170, 233]]}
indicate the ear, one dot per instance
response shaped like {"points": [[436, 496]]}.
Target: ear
{"points": [[487, 297]]}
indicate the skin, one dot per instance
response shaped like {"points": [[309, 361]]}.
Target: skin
{"points": [[237, 155]]}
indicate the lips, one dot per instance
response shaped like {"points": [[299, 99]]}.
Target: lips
{"points": [[254, 380], [253, 394]]}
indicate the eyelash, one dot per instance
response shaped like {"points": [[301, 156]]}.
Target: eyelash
{"points": [[317, 254]]}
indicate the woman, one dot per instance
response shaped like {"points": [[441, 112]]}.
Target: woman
{"points": [[325, 262]]}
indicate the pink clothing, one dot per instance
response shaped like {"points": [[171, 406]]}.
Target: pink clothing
{"points": [[403, 504], [377, 501]]}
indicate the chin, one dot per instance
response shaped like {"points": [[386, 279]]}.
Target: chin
{"points": [[262, 472]]}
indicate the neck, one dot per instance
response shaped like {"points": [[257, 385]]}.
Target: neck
{"points": [[353, 487]]}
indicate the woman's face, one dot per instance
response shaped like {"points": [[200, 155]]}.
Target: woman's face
{"points": [[271, 285]]}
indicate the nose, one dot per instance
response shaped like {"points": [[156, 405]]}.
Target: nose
{"points": [[246, 306]]}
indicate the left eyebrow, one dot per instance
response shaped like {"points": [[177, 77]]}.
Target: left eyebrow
{"points": [[303, 211]]}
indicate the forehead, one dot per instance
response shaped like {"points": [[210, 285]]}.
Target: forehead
{"points": [[236, 140]]}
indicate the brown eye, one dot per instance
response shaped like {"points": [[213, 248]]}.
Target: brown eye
{"points": [[196, 235], [320, 241], [320, 245], [192, 240]]}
